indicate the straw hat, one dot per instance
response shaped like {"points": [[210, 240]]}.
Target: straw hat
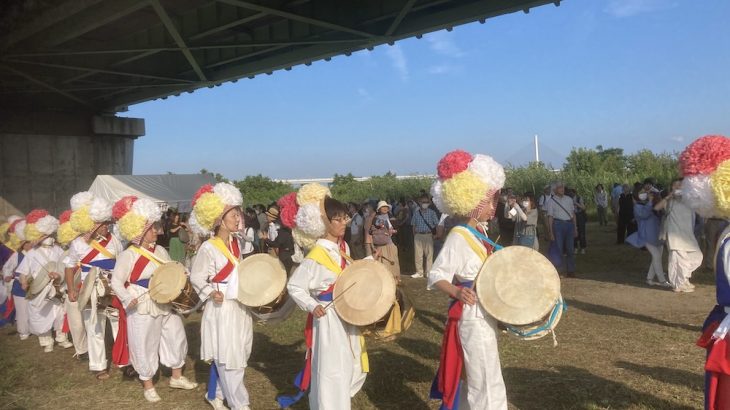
{"points": [[261, 278], [518, 285], [272, 212], [364, 292], [382, 204], [167, 282]]}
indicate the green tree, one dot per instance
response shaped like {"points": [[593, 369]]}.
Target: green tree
{"points": [[258, 189]]}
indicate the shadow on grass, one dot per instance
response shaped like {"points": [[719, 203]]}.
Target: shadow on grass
{"points": [[574, 388], [387, 384], [666, 375], [609, 311], [435, 321], [424, 348]]}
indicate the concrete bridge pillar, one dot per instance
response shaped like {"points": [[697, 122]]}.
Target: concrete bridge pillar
{"points": [[46, 157]]}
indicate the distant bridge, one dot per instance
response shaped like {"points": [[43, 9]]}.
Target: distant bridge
{"points": [[328, 181]]}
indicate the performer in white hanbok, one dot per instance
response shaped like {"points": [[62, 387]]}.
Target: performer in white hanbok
{"points": [[468, 187], [154, 332], [226, 326], [74, 322], [336, 362], [45, 310], [20, 247], [95, 247]]}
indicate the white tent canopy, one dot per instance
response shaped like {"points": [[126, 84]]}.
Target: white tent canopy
{"points": [[174, 191]]}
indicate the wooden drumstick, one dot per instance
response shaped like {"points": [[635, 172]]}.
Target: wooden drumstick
{"points": [[340, 295]]}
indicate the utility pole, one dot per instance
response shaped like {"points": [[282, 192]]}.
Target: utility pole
{"points": [[537, 150]]}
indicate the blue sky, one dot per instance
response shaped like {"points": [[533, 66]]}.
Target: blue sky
{"points": [[632, 74]]}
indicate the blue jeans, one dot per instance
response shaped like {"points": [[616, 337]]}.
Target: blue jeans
{"points": [[564, 233]]}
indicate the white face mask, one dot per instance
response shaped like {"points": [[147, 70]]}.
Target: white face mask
{"points": [[526, 204], [47, 241], [424, 206], [643, 196]]}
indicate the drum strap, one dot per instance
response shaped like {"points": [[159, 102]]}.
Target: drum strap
{"points": [[232, 254], [96, 248]]}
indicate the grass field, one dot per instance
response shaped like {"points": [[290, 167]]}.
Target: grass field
{"points": [[622, 345]]}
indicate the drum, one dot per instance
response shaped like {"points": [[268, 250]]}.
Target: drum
{"points": [[170, 284], [521, 288], [364, 292], [96, 280], [398, 319], [261, 280], [275, 312]]}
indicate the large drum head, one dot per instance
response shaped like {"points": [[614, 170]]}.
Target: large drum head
{"points": [[261, 278], [37, 284], [364, 292], [87, 287], [167, 281], [518, 285]]}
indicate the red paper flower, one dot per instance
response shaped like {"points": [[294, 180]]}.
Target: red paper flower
{"points": [[11, 229], [704, 155], [453, 163], [65, 216], [122, 206], [288, 209], [203, 189], [35, 215]]}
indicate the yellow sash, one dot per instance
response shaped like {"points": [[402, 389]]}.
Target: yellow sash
{"points": [[102, 250], [476, 247], [221, 246], [320, 255], [147, 254]]}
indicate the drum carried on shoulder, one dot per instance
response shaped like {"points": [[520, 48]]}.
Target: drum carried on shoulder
{"points": [[262, 288], [521, 288], [170, 284]]}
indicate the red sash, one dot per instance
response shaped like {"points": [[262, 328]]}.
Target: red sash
{"points": [[93, 252], [308, 332], [222, 275], [120, 351], [717, 369]]}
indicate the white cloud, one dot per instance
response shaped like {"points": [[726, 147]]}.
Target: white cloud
{"points": [[364, 94], [630, 8], [441, 42], [445, 69], [677, 138], [398, 59]]}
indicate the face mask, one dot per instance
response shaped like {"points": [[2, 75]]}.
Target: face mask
{"points": [[526, 204], [47, 242], [643, 196], [424, 206]]}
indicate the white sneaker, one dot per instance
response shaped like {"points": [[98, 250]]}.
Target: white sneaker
{"points": [[652, 282], [417, 275], [152, 396], [217, 403], [182, 383], [48, 349], [689, 285], [24, 337], [665, 284], [66, 344]]}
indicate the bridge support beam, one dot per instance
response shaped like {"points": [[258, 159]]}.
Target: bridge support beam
{"points": [[46, 157]]}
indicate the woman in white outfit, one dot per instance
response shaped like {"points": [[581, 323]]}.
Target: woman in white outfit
{"points": [[45, 311], [20, 247], [226, 327], [336, 361], [468, 187], [154, 332]]}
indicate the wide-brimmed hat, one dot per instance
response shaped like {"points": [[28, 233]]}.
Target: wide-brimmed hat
{"points": [[518, 285], [382, 204], [364, 292], [167, 282], [272, 213], [261, 278]]}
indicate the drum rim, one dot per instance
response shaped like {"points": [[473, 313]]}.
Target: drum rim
{"points": [[84, 294], [489, 304], [155, 290], [262, 298], [387, 296], [38, 284]]}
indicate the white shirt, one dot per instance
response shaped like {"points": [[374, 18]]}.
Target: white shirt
{"points": [[273, 231], [553, 209], [680, 227], [356, 225], [311, 278], [123, 270], [207, 263], [78, 249], [247, 240], [10, 265], [37, 258]]}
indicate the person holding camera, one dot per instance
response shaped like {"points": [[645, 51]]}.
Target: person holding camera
{"points": [[524, 214], [684, 252], [424, 222]]}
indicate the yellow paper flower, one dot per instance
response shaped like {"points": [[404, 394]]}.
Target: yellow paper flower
{"points": [[81, 221], [4, 231], [720, 181], [208, 208], [66, 234], [13, 242], [32, 234], [312, 194], [463, 192], [132, 225]]}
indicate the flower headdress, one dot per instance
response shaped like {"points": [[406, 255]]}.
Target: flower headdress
{"points": [[135, 216], [211, 203], [705, 165], [310, 219], [89, 212], [65, 233], [39, 224]]}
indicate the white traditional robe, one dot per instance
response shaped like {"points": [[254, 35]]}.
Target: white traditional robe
{"points": [[484, 388], [155, 334], [337, 373], [685, 255], [44, 313], [226, 329], [22, 325]]}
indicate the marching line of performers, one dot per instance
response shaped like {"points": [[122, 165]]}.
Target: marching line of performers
{"points": [[148, 333]]}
